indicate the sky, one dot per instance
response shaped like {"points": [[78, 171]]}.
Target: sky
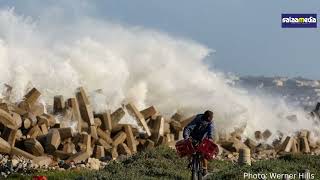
{"points": [[246, 35]]}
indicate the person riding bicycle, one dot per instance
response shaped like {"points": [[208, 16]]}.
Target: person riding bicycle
{"points": [[200, 127]]}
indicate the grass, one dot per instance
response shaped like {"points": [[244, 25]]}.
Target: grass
{"points": [[163, 163]]}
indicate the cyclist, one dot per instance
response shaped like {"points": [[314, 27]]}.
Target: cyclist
{"points": [[200, 127]]}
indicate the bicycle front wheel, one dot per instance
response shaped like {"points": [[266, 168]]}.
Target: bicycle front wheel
{"points": [[194, 175]]}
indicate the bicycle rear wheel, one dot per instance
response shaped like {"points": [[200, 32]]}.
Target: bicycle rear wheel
{"points": [[199, 175], [194, 175]]}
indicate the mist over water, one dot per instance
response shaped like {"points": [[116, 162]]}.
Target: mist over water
{"points": [[127, 63]]}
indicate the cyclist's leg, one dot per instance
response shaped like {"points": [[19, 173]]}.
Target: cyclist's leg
{"points": [[205, 163], [204, 166]]}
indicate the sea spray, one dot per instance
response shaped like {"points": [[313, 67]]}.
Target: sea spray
{"points": [[130, 63]]}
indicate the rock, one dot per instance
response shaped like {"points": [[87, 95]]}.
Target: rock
{"points": [[233, 145], [258, 135], [266, 134], [14, 162], [103, 165], [250, 143], [106, 158], [4, 174], [122, 157], [262, 147], [35, 166], [42, 160], [94, 163]]}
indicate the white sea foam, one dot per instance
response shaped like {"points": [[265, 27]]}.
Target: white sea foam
{"points": [[129, 63]]}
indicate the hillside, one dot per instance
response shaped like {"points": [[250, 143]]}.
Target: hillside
{"points": [[163, 163]]}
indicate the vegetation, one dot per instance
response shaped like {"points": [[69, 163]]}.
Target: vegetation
{"points": [[163, 163]]}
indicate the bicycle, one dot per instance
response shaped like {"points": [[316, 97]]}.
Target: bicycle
{"points": [[196, 166], [197, 151]]}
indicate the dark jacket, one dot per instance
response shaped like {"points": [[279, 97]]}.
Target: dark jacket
{"points": [[198, 129]]}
